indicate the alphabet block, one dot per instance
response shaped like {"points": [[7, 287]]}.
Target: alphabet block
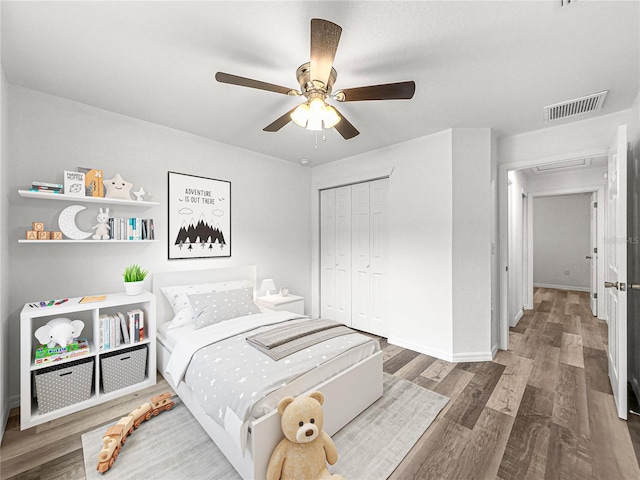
{"points": [[56, 235], [44, 235], [31, 235], [37, 226]]}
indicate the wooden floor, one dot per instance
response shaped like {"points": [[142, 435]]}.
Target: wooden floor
{"points": [[544, 409]]}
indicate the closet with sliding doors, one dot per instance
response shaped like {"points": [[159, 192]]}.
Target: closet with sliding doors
{"points": [[353, 255]]}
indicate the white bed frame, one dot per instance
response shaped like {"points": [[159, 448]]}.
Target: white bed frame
{"points": [[346, 394]]}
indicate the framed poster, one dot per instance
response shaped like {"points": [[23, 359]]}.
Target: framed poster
{"points": [[199, 217]]}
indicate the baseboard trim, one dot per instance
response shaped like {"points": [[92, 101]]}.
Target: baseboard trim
{"points": [[517, 319], [449, 357], [562, 287], [472, 357], [4, 417], [421, 349], [14, 401]]}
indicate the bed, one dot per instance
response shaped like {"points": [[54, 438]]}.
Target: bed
{"points": [[350, 383]]}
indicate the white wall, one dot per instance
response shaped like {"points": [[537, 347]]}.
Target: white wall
{"points": [[423, 209], [4, 258], [567, 141], [561, 234], [472, 257], [270, 224]]}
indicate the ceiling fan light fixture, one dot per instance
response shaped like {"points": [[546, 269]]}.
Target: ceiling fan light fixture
{"points": [[315, 115], [300, 115], [331, 117]]}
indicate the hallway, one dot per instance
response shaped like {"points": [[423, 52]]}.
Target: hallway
{"points": [[544, 409]]}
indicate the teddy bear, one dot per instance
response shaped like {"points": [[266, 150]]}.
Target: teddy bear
{"points": [[304, 452], [102, 228]]}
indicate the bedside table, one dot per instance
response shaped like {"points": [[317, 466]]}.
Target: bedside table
{"points": [[290, 303]]}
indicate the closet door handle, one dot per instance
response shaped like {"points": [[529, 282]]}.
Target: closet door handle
{"points": [[588, 257]]}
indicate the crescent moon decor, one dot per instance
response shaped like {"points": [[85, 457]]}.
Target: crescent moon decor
{"points": [[67, 223]]}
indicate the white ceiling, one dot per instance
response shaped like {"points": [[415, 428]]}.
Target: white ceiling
{"points": [[475, 64]]}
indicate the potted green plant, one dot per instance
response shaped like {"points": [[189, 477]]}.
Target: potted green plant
{"points": [[134, 277]]}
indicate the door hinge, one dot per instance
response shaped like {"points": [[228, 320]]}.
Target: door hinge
{"points": [[506, 268], [595, 295], [595, 250], [595, 204]]}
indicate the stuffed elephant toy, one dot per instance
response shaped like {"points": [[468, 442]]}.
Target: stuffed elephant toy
{"points": [[59, 331]]}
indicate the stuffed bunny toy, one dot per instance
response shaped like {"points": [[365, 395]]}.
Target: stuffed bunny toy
{"points": [[102, 228]]}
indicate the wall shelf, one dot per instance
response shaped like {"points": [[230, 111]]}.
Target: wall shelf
{"points": [[74, 198], [86, 241]]}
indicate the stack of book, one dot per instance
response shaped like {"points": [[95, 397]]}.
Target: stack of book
{"points": [[76, 349], [131, 229], [46, 187], [117, 330]]}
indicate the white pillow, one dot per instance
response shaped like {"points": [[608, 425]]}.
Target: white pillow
{"points": [[215, 307], [177, 297]]}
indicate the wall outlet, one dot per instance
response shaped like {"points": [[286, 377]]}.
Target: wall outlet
{"points": [[566, 272]]}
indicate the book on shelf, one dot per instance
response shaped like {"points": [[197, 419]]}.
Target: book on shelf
{"points": [[46, 187], [117, 330], [93, 298], [78, 348], [136, 325], [131, 228], [93, 181], [74, 183], [56, 186], [123, 328]]}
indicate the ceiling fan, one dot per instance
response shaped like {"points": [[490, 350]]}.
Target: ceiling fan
{"points": [[316, 79]]}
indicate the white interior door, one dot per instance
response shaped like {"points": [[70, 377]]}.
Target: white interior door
{"points": [[360, 311], [616, 269], [378, 193], [343, 255], [328, 254], [593, 256]]}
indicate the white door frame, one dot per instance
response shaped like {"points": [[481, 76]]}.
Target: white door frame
{"points": [[503, 231], [599, 190]]}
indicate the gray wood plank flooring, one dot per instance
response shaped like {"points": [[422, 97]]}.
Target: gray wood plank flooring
{"points": [[542, 410]]}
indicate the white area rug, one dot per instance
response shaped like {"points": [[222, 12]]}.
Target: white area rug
{"points": [[173, 446]]}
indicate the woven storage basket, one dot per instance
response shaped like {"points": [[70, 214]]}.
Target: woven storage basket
{"points": [[123, 368], [62, 385]]}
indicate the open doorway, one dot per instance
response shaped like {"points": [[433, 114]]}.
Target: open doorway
{"points": [[584, 176], [562, 254]]}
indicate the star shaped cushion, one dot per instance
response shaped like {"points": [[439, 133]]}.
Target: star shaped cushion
{"points": [[117, 187]]}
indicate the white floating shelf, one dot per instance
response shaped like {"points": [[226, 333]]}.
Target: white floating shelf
{"points": [[74, 198], [86, 241]]}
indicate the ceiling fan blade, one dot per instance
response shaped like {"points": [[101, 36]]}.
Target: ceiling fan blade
{"points": [[280, 122], [248, 82], [325, 37], [345, 128], [387, 91]]}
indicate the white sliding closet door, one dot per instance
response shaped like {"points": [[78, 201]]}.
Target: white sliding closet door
{"points": [[335, 254], [328, 256], [343, 255], [360, 243], [378, 238], [353, 256], [369, 257]]}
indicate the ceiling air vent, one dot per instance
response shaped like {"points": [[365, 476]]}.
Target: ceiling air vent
{"points": [[578, 106]]}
